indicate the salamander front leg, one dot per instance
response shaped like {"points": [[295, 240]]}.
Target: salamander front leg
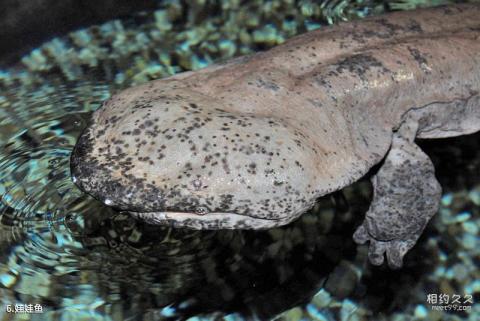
{"points": [[406, 196]]}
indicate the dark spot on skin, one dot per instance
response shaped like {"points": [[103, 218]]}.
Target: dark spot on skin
{"points": [[267, 84], [448, 11], [391, 28], [419, 58], [359, 65], [414, 26]]}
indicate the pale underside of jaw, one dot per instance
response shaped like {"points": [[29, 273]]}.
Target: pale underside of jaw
{"points": [[210, 221]]}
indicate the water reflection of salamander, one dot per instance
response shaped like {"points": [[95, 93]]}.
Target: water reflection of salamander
{"points": [[252, 143]]}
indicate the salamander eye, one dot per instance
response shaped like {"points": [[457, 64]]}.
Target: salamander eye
{"points": [[201, 210]]}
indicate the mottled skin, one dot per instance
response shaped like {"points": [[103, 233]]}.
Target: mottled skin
{"points": [[252, 143]]}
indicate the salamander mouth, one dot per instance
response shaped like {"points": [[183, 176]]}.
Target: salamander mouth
{"points": [[208, 221]]}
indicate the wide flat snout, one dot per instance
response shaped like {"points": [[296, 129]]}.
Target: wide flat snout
{"points": [[80, 165], [87, 173], [96, 177]]}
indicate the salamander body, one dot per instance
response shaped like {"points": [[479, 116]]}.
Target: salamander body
{"points": [[253, 142]]}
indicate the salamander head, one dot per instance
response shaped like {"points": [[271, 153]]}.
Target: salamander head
{"points": [[185, 161]]}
